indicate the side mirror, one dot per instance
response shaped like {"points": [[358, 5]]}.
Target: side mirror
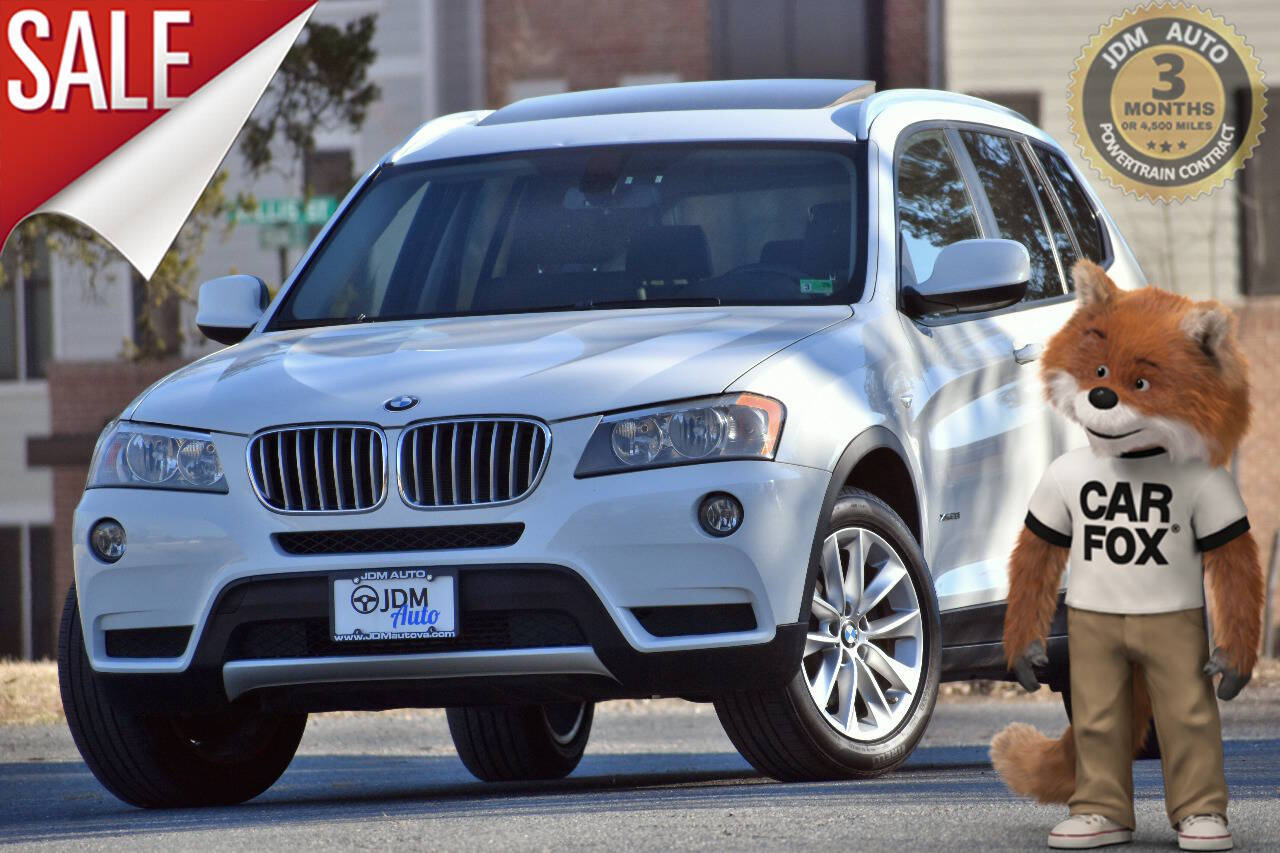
{"points": [[229, 307], [972, 275]]}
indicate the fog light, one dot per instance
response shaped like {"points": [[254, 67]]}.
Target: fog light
{"points": [[720, 514], [106, 540]]}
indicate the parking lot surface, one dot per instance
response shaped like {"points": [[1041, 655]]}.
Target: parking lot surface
{"points": [[657, 775]]}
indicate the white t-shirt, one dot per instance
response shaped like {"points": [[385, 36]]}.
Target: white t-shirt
{"points": [[1136, 526]]}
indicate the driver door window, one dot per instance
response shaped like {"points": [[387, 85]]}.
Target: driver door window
{"points": [[934, 209], [1017, 212]]}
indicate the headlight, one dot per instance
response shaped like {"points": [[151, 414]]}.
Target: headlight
{"points": [[147, 457], [736, 426]]}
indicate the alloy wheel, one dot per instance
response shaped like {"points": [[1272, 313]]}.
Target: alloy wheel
{"points": [[864, 652]]}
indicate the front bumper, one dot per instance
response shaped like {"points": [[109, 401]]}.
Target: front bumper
{"points": [[623, 546]]}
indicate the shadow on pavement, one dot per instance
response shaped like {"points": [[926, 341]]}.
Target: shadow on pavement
{"points": [[51, 801]]}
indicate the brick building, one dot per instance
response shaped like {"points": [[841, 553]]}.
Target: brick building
{"points": [[440, 56]]}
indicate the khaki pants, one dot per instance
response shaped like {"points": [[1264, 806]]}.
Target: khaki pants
{"points": [[1171, 649]]}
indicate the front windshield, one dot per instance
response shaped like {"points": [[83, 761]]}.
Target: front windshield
{"points": [[625, 227]]}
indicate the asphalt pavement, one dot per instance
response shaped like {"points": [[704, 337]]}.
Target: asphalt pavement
{"points": [[657, 775]]}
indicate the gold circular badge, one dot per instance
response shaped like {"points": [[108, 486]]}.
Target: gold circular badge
{"points": [[1167, 102]]}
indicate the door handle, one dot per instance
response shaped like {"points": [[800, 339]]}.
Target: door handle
{"points": [[1027, 353]]}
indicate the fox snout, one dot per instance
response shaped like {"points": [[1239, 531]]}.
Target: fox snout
{"points": [[1103, 398]]}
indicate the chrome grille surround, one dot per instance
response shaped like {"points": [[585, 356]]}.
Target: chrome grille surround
{"points": [[451, 462], [319, 469]]}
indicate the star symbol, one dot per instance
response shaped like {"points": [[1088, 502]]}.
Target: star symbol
{"points": [[1151, 146], [1182, 144], [1165, 147]]}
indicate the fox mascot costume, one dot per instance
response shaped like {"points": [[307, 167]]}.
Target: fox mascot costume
{"points": [[1144, 516]]}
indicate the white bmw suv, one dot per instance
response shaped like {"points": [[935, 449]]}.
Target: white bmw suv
{"points": [[724, 391]]}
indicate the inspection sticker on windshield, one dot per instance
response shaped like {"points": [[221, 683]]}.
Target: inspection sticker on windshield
{"points": [[394, 604], [822, 286]]}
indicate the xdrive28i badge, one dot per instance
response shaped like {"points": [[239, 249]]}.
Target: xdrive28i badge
{"points": [[401, 403], [1167, 101]]}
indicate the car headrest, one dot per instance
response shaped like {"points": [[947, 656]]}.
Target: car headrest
{"points": [[570, 241], [672, 254], [782, 253], [826, 240]]}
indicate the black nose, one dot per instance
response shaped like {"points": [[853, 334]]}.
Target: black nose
{"points": [[1103, 398]]}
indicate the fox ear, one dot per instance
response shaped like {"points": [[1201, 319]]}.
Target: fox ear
{"points": [[1209, 325], [1093, 287]]}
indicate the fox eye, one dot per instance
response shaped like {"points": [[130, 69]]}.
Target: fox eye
{"points": [[1142, 385], [1102, 371]]}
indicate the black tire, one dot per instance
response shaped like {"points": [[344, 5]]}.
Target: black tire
{"points": [[522, 742], [1150, 749], [782, 733], [169, 760]]}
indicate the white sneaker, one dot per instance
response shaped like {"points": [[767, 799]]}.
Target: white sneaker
{"points": [[1082, 831], [1204, 832]]}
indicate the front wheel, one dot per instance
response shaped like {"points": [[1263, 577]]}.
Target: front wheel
{"points": [[169, 760], [521, 742], [868, 678]]}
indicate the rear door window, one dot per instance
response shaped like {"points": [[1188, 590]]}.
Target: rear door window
{"points": [[1068, 254], [1017, 212], [1080, 212], [934, 208]]}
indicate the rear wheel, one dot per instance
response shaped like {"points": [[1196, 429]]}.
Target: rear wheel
{"points": [[868, 678], [169, 760], [517, 743]]}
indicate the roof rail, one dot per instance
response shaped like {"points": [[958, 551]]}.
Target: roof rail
{"points": [[875, 104], [705, 95], [432, 130]]}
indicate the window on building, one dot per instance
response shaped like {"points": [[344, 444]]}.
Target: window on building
{"points": [[27, 627], [330, 172], [934, 209], [533, 87], [797, 38], [26, 318], [1017, 212], [11, 571], [46, 600], [1025, 104], [1259, 199]]}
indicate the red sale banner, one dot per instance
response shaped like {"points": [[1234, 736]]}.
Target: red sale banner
{"points": [[117, 114]]}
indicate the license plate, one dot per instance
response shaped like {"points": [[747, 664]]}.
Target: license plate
{"points": [[394, 604]]}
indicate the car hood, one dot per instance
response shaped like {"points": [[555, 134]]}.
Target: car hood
{"points": [[552, 366]]}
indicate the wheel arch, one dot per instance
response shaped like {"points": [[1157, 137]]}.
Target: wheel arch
{"points": [[876, 461]]}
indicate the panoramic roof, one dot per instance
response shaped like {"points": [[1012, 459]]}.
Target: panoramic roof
{"points": [[669, 97]]}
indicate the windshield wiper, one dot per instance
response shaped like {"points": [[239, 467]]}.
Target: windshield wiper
{"points": [[673, 301]]}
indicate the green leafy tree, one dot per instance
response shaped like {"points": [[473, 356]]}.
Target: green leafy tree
{"points": [[323, 84]]}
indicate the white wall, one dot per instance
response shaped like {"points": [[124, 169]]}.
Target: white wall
{"points": [[26, 494], [93, 313], [1019, 46]]}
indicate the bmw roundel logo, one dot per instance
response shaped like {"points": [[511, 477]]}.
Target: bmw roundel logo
{"points": [[401, 403]]}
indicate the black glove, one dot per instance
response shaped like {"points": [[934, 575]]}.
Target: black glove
{"points": [[1232, 682], [1023, 667]]}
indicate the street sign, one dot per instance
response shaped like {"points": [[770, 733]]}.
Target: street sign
{"points": [[287, 211], [284, 235]]}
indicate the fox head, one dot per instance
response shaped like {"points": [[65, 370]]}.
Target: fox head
{"points": [[1149, 368]]}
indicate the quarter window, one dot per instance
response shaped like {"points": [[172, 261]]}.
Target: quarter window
{"points": [[1013, 204], [1083, 218], [934, 209]]}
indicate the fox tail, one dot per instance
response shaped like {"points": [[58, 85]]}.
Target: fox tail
{"points": [[1033, 765]]}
